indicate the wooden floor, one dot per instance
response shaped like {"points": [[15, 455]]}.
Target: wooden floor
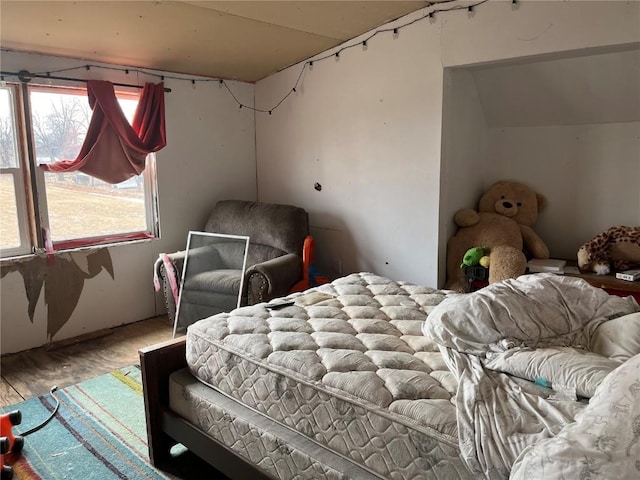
{"points": [[34, 372]]}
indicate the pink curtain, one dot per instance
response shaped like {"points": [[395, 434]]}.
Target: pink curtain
{"points": [[113, 150]]}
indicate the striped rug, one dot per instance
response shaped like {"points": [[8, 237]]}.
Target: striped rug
{"points": [[98, 433]]}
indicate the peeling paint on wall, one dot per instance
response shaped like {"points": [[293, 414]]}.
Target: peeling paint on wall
{"points": [[63, 281]]}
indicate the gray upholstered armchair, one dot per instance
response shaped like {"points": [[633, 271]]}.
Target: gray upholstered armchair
{"points": [[274, 259]]}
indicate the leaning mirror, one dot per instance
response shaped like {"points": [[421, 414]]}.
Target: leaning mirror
{"points": [[212, 277]]}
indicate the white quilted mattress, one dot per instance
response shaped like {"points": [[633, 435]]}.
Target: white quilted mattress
{"points": [[277, 450], [347, 365]]}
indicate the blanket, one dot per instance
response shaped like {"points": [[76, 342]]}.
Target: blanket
{"points": [[603, 442], [499, 415]]}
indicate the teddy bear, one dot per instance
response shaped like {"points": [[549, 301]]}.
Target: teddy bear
{"points": [[618, 247], [502, 226]]}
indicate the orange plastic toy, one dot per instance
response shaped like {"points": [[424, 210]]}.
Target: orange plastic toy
{"points": [[8, 442], [310, 278]]}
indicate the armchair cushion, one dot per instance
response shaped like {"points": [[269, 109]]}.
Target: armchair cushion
{"points": [[208, 293], [224, 281]]}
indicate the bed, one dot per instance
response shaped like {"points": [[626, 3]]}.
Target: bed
{"points": [[367, 377]]}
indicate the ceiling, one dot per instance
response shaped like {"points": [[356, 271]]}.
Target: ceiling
{"points": [[240, 40]]}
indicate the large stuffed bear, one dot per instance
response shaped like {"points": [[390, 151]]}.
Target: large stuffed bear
{"points": [[502, 225]]}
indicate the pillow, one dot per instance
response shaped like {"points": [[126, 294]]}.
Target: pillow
{"points": [[619, 338], [563, 369], [601, 443]]}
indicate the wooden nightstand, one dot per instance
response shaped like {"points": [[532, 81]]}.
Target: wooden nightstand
{"points": [[611, 284]]}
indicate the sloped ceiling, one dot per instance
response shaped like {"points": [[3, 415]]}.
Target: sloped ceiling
{"points": [[583, 89], [240, 40]]}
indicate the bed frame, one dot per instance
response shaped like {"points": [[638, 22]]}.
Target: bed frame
{"points": [[165, 429]]}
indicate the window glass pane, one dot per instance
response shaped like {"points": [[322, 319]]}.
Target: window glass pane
{"points": [[60, 122], [81, 206], [78, 205], [8, 146], [9, 232], [11, 173]]}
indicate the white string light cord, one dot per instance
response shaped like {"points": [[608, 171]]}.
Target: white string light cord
{"points": [[309, 63]]}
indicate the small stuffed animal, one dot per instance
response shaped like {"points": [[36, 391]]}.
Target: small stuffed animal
{"points": [[473, 257], [502, 224], [618, 247]]}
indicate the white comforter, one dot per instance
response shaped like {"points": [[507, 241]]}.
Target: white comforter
{"points": [[498, 415]]}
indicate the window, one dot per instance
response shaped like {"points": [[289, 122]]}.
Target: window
{"points": [[43, 124]]}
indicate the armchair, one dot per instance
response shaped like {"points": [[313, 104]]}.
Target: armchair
{"points": [[274, 259]]}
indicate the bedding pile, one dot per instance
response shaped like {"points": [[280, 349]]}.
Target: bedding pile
{"points": [[603, 442], [527, 354]]}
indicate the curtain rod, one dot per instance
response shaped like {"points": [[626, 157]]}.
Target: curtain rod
{"points": [[25, 77]]}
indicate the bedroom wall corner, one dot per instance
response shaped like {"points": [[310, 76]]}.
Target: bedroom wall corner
{"points": [[464, 154]]}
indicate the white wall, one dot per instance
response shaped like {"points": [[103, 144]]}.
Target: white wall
{"points": [[367, 127], [361, 127], [210, 155], [590, 175]]}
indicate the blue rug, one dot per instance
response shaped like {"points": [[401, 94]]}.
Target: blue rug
{"points": [[98, 433]]}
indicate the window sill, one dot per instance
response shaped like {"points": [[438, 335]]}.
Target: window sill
{"points": [[84, 248]]}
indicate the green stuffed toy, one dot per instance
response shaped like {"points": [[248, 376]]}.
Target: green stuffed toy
{"points": [[476, 256]]}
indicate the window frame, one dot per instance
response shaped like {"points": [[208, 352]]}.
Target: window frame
{"points": [[31, 194], [18, 173]]}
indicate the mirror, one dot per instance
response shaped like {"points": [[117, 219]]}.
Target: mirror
{"points": [[212, 277]]}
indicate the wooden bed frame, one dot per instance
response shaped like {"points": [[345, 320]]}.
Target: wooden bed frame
{"points": [[165, 428]]}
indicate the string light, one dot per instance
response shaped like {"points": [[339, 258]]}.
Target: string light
{"points": [[309, 63]]}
